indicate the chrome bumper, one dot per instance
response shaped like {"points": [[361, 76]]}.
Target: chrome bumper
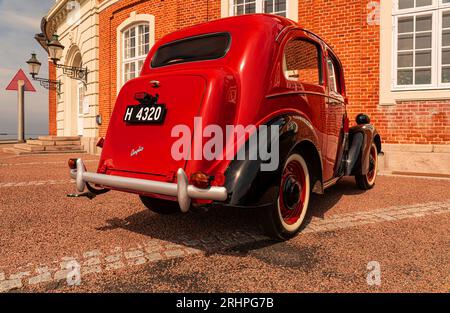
{"points": [[181, 190]]}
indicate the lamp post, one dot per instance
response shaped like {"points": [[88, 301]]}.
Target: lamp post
{"points": [[55, 52]]}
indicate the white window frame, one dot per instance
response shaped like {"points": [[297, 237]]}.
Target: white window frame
{"points": [[441, 47], [436, 9], [137, 58], [259, 6], [133, 20]]}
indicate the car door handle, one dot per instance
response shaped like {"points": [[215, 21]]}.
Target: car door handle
{"points": [[335, 99], [334, 102]]}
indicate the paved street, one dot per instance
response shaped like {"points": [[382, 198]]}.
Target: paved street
{"points": [[403, 224]]}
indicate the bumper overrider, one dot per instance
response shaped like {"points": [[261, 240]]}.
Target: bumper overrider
{"points": [[181, 189]]}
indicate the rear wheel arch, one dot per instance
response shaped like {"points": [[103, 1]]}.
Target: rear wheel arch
{"points": [[248, 186]]}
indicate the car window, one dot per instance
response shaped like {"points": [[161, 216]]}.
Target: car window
{"points": [[199, 48], [302, 62], [332, 83], [333, 76]]}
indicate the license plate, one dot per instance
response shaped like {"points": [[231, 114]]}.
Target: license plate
{"points": [[145, 114]]}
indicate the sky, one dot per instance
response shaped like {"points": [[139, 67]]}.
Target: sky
{"points": [[19, 22]]}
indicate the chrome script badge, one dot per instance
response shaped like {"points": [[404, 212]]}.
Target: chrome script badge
{"points": [[135, 152]]}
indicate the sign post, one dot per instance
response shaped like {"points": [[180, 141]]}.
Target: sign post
{"points": [[21, 83], [21, 111]]}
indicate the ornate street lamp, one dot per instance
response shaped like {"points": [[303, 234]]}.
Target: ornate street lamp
{"points": [[55, 49], [34, 67], [55, 52]]}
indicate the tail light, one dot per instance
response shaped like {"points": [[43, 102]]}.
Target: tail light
{"points": [[201, 180], [101, 142], [73, 164]]}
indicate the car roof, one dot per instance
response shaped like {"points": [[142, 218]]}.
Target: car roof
{"points": [[242, 24], [268, 27]]}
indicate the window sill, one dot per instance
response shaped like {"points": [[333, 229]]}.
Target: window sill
{"points": [[420, 89], [395, 95]]}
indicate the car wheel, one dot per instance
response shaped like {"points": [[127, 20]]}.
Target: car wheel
{"points": [[284, 218], [367, 182], [160, 206]]}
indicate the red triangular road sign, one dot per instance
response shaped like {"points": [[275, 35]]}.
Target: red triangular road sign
{"points": [[20, 76]]}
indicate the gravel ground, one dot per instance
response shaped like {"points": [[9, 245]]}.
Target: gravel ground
{"points": [[39, 226]]}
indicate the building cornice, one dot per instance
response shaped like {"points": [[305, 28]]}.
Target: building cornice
{"points": [[60, 4], [55, 8], [106, 4]]}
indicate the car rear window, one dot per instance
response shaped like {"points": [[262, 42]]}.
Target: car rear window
{"points": [[199, 48]]}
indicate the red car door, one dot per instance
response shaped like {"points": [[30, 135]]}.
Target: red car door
{"points": [[303, 70], [335, 112]]}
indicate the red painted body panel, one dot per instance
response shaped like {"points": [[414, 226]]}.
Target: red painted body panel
{"points": [[154, 139], [247, 86]]}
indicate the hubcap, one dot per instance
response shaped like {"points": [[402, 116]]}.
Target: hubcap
{"points": [[292, 192]]}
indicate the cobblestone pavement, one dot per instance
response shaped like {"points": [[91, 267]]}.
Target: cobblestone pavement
{"points": [[42, 233]]}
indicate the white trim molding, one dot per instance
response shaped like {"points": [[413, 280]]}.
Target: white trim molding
{"points": [[226, 8], [130, 21], [390, 91]]}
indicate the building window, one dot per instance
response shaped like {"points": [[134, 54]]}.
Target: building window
{"points": [[136, 45], [421, 44], [239, 7], [81, 95]]}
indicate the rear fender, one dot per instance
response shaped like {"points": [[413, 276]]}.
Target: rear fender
{"points": [[249, 185]]}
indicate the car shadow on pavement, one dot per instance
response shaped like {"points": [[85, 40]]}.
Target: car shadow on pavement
{"points": [[321, 204], [216, 225]]}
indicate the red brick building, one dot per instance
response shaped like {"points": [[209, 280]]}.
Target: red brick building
{"points": [[396, 57]]}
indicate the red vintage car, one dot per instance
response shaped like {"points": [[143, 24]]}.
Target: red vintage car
{"points": [[253, 70]]}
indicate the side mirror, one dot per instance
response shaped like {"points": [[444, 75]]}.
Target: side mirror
{"points": [[362, 119]]}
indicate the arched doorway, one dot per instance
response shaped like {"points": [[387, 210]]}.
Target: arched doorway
{"points": [[75, 91]]}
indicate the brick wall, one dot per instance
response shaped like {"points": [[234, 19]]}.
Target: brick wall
{"points": [[52, 101], [421, 122]]}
